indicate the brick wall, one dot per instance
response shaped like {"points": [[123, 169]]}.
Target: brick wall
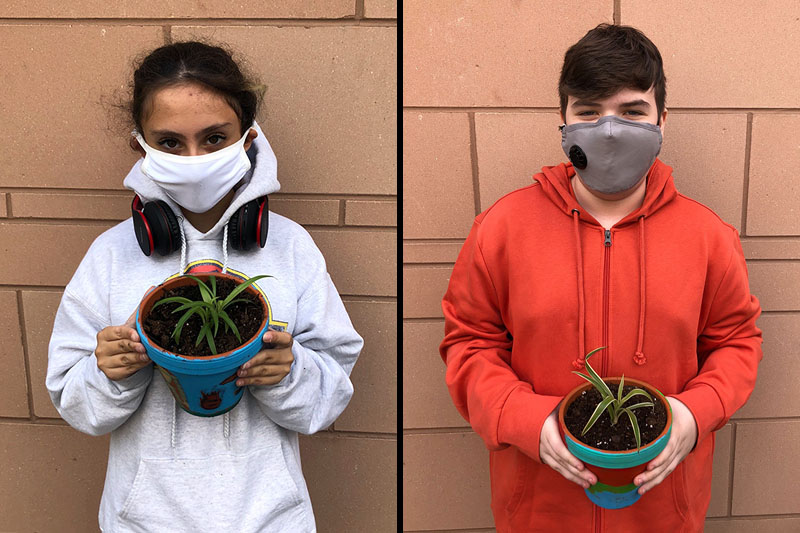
{"points": [[480, 117], [330, 112]]}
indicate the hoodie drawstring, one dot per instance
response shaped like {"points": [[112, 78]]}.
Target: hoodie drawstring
{"points": [[174, 422], [226, 428], [183, 245], [225, 248], [639, 358], [578, 363]]}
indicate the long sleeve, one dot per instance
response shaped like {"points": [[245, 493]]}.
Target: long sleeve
{"points": [[82, 394], [487, 392], [729, 350], [325, 348]]}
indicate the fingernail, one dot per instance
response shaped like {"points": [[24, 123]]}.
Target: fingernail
{"points": [[267, 336], [143, 358], [641, 492], [242, 373], [135, 336], [240, 383], [246, 366], [585, 485], [140, 348]]}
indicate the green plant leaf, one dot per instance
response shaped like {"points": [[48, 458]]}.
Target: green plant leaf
{"points": [[179, 326], [638, 405], [636, 392], [635, 426], [213, 280], [239, 288], [230, 323], [200, 335], [619, 389], [205, 292], [171, 299], [603, 387], [602, 406], [210, 340]]}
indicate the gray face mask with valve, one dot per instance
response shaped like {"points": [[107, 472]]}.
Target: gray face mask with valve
{"points": [[612, 154]]}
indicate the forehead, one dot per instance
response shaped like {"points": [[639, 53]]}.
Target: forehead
{"points": [[621, 97], [186, 105]]}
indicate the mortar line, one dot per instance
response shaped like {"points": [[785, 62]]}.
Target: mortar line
{"points": [[166, 29], [473, 152], [730, 468], [360, 9], [746, 185], [127, 194], [25, 356], [617, 12], [262, 22], [438, 431], [434, 241], [9, 214], [753, 516], [433, 264], [34, 422], [342, 214], [555, 109]]}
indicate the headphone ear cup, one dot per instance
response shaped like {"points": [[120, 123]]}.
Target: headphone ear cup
{"points": [[249, 225], [163, 226], [263, 222], [233, 230], [140, 227]]}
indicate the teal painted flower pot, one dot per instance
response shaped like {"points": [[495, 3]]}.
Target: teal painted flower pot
{"points": [[615, 471], [201, 385]]}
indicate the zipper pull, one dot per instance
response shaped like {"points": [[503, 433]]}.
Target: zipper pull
{"points": [[608, 238]]}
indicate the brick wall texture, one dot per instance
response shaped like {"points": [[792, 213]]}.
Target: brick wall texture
{"points": [[330, 108], [480, 117]]}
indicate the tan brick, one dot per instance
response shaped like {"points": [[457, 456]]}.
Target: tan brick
{"points": [[438, 197], [445, 482], [330, 105], [771, 248], [52, 478], [772, 207], [13, 383], [767, 463], [311, 212], [380, 9], [720, 481], [64, 72], [41, 254], [753, 525], [706, 152], [3, 206], [352, 482], [776, 392], [423, 290], [776, 284], [40, 311], [709, 55], [431, 252], [360, 262], [374, 403], [491, 53], [512, 147], [426, 401], [76, 206], [180, 9], [370, 213]]}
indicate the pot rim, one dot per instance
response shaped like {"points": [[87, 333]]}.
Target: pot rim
{"points": [[570, 397], [150, 299]]}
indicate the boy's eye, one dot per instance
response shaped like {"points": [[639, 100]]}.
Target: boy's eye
{"points": [[585, 113], [634, 112], [216, 139]]}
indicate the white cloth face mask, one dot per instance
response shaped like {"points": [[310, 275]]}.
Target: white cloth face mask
{"points": [[196, 182]]}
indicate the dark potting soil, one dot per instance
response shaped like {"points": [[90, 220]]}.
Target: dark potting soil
{"points": [[160, 323], [618, 437]]}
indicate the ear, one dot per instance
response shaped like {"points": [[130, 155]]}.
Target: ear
{"points": [[251, 135], [663, 120], [136, 147]]}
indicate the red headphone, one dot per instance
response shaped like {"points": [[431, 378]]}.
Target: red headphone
{"points": [[157, 228]]}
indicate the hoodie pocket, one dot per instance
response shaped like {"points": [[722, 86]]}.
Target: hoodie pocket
{"points": [[252, 492], [679, 490]]}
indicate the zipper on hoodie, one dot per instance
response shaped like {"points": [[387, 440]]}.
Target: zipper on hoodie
{"points": [[606, 289]]}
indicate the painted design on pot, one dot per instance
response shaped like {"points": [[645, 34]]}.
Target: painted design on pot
{"points": [[230, 378], [174, 386], [210, 400]]}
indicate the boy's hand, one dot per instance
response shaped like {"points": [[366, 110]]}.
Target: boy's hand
{"points": [[270, 365], [681, 442], [554, 453], [119, 352]]}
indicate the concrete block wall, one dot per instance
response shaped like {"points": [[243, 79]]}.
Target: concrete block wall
{"points": [[330, 114], [480, 117]]}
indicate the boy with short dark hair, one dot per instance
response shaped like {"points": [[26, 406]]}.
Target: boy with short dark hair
{"points": [[602, 251]]}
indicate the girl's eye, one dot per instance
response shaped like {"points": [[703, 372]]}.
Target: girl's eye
{"points": [[216, 139], [169, 144]]}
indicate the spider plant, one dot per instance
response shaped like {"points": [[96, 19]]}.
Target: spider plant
{"points": [[614, 405], [210, 310]]}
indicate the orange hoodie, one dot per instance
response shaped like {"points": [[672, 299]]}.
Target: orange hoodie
{"points": [[539, 283]]}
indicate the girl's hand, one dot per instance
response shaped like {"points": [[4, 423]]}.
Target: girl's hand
{"points": [[681, 441], [119, 352], [270, 365], [554, 453]]}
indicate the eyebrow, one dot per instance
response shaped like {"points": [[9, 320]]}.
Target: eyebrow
{"points": [[632, 103], [201, 133]]}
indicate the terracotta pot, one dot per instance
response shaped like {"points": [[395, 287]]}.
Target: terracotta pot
{"points": [[615, 471], [202, 385]]}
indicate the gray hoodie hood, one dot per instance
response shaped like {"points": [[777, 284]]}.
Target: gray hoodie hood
{"points": [[260, 180]]}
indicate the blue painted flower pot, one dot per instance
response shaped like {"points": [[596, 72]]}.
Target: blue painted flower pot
{"points": [[615, 471], [202, 385]]}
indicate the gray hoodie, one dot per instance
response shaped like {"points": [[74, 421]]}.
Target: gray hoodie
{"points": [[169, 470]]}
